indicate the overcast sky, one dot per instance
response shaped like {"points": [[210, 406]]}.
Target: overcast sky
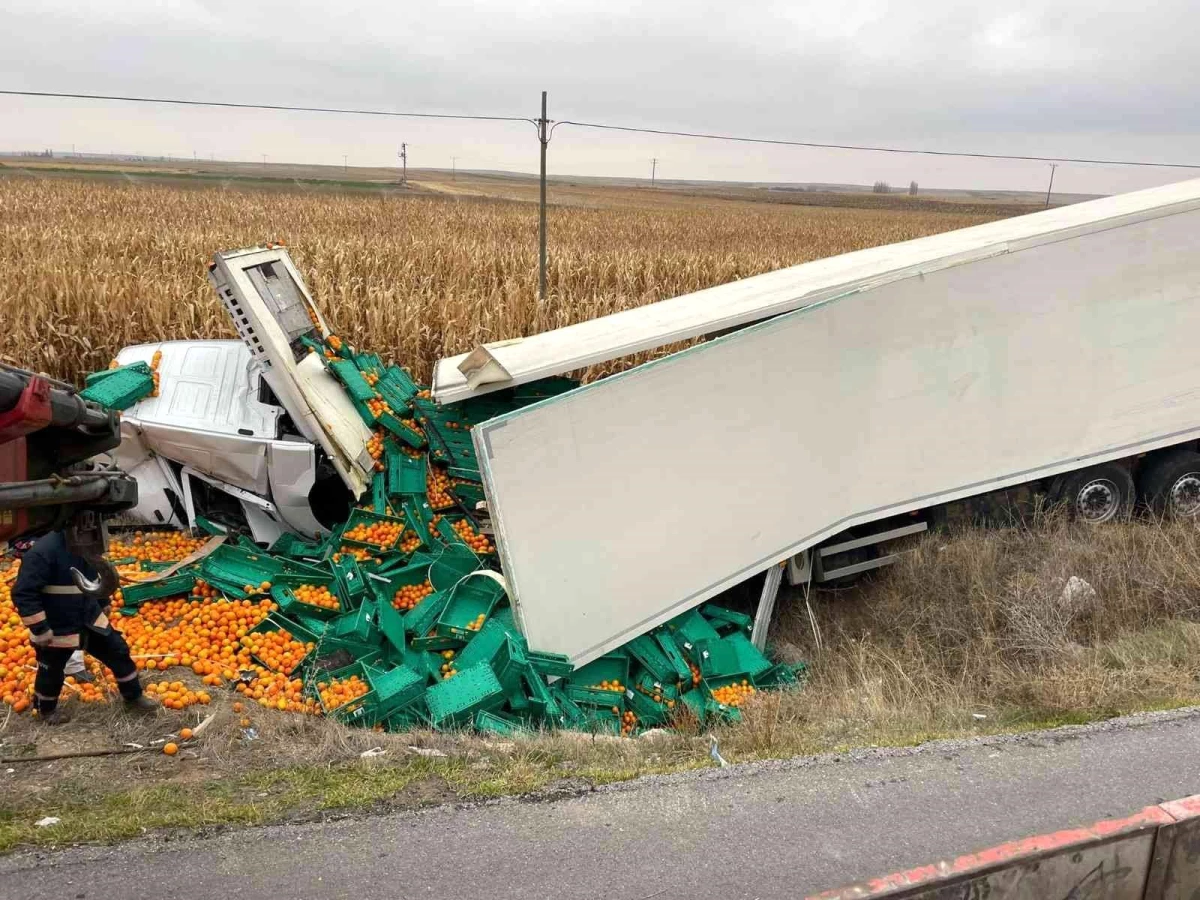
{"points": [[1090, 78]]}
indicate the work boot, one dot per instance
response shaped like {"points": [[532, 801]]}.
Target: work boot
{"points": [[142, 704], [56, 716]]}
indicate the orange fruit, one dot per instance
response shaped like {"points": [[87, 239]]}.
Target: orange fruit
{"points": [[185, 734], [170, 748]]}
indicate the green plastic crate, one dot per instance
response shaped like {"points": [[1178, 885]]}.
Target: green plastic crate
{"points": [[457, 700], [358, 626], [649, 712], [651, 657], [395, 688], [380, 503], [135, 595], [395, 382], [405, 474], [122, 387], [726, 621], [553, 665], [232, 568], [730, 657], [469, 599], [666, 643], [691, 628], [569, 713], [402, 429], [347, 373], [283, 593], [499, 724], [452, 565], [484, 646], [368, 518], [297, 632], [469, 493], [351, 582], [357, 710]]}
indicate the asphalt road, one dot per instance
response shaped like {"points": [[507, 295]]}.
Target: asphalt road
{"points": [[756, 831]]}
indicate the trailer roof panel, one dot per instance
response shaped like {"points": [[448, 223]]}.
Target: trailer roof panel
{"points": [[504, 364]]}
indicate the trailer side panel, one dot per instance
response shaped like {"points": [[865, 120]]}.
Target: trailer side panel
{"points": [[624, 503]]}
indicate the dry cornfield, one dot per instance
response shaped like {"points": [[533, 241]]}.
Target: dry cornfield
{"points": [[89, 267]]}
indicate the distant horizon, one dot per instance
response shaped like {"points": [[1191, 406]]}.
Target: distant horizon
{"points": [[895, 189]]}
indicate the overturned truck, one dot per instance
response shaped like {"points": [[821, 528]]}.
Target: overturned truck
{"points": [[836, 408]]}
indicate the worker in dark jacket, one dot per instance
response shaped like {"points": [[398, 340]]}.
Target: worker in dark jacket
{"points": [[62, 617]]}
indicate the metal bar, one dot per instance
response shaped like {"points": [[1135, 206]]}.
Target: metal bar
{"points": [[543, 139], [867, 566], [766, 607], [875, 538]]}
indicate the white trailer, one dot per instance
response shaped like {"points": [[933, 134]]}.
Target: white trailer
{"points": [[855, 395]]}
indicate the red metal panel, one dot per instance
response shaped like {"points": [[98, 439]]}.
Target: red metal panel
{"points": [[31, 412], [1091, 852], [13, 468]]}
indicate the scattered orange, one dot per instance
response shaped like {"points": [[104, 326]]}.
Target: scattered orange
{"points": [[170, 748]]}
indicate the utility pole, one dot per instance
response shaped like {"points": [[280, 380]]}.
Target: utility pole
{"points": [[344, 157], [454, 168], [653, 169], [403, 154], [264, 156], [1053, 166], [543, 139]]}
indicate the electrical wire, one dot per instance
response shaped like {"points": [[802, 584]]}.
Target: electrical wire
{"points": [[276, 107], [628, 129], [873, 149]]}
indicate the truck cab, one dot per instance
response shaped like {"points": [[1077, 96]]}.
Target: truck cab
{"points": [[252, 432]]}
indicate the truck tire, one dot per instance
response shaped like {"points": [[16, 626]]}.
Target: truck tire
{"points": [[1170, 485], [1103, 493]]}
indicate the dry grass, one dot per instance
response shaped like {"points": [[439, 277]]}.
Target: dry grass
{"points": [[90, 267], [977, 624]]}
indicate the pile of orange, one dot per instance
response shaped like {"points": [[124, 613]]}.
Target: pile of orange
{"points": [[371, 378], [734, 694], [629, 723], [179, 632], [275, 690], [176, 695], [448, 668], [278, 650], [316, 595], [362, 554], [335, 342], [411, 594], [472, 538], [614, 685], [656, 695], [437, 488], [375, 446], [163, 546], [381, 534], [378, 407], [409, 541], [476, 623], [695, 673], [17, 665], [339, 692]]}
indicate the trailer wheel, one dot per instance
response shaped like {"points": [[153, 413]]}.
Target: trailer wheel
{"points": [[1103, 493], [1170, 485]]}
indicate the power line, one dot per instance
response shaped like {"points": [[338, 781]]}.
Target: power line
{"points": [[606, 127], [751, 140], [277, 107]]}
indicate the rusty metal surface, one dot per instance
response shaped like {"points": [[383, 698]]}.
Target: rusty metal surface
{"points": [[1175, 872], [1110, 860]]}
